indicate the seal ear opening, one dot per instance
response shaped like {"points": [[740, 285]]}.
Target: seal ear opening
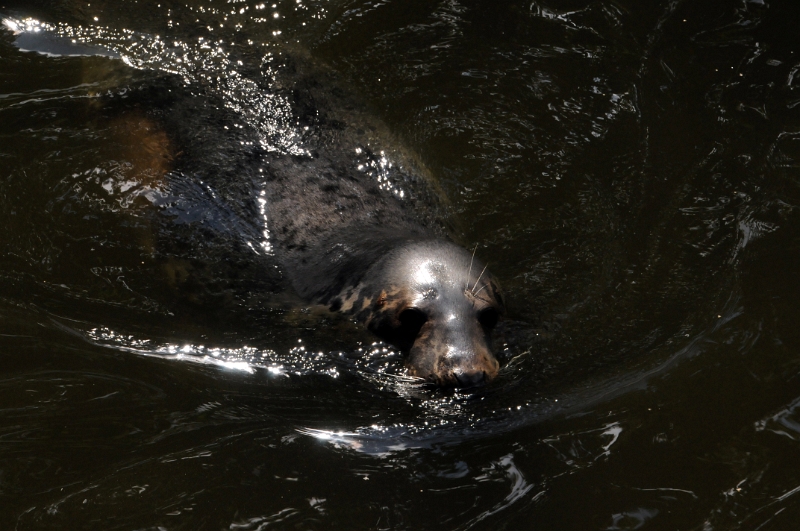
{"points": [[411, 322]]}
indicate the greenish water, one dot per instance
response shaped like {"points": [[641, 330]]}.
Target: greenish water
{"points": [[628, 169]]}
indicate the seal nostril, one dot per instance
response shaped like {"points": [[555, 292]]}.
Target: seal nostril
{"points": [[471, 378]]}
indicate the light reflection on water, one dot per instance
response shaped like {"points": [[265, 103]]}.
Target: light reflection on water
{"points": [[208, 64], [376, 361], [438, 419], [204, 63]]}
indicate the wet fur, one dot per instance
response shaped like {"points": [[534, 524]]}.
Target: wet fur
{"points": [[343, 241]]}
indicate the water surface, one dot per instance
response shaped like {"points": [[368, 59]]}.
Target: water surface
{"points": [[628, 169]]}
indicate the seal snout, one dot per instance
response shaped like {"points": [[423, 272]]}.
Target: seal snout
{"points": [[468, 377], [452, 356], [476, 368]]}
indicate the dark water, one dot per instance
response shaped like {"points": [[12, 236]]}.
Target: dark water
{"points": [[628, 169]]}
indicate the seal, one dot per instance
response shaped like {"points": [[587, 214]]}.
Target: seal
{"points": [[357, 226], [354, 220]]}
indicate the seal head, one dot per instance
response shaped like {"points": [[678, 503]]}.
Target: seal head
{"points": [[438, 303]]}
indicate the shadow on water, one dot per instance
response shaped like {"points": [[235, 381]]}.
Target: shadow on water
{"points": [[628, 169]]}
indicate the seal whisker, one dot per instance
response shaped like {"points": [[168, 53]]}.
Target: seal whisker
{"points": [[482, 288], [479, 279], [469, 271]]}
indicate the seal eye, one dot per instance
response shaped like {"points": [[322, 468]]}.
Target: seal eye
{"points": [[411, 321], [488, 318]]}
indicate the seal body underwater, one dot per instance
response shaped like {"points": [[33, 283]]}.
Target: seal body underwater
{"points": [[357, 226]]}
